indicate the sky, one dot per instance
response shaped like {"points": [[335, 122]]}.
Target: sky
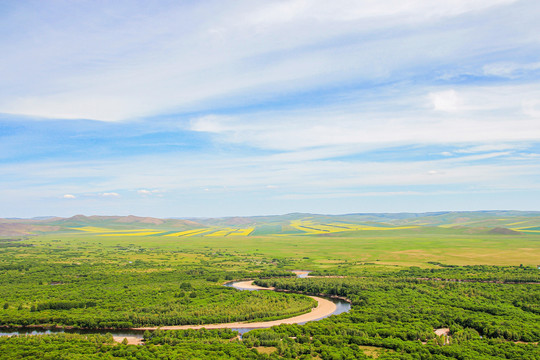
{"points": [[226, 108]]}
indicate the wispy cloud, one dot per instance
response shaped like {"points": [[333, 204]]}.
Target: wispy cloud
{"points": [[282, 105], [510, 69], [144, 192], [248, 177], [478, 114], [110, 194], [135, 60]]}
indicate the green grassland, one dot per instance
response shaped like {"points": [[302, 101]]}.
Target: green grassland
{"points": [[404, 247]]}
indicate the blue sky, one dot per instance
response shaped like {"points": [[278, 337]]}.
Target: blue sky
{"points": [[220, 108]]}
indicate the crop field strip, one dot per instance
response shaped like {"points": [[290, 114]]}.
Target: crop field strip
{"points": [[305, 227], [189, 232], [220, 233], [97, 230], [144, 233], [535, 229], [312, 228], [217, 232]]}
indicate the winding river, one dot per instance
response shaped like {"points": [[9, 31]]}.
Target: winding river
{"points": [[325, 308]]}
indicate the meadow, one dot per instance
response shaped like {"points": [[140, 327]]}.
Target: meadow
{"points": [[389, 247]]}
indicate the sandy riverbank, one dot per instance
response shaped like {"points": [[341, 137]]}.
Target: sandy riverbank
{"points": [[249, 285], [324, 308]]}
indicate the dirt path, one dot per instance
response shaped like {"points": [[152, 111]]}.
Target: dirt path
{"points": [[324, 308]]}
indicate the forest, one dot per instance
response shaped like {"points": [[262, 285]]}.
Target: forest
{"points": [[391, 317], [102, 296]]}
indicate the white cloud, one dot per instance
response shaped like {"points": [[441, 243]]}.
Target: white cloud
{"points": [[490, 148], [483, 115], [529, 155], [531, 107], [132, 61], [146, 192], [448, 101], [228, 177], [351, 10], [209, 123], [316, 87], [341, 195], [231, 173], [69, 196], [509, 69]]}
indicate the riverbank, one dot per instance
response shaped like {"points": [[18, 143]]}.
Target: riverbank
{"points": [[324, 308], [248, 285]]}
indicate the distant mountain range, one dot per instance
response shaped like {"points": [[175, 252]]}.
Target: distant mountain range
{"points": [[498, 222]]}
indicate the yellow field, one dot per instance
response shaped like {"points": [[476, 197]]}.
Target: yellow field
{"points": [[312, 228], [144, 233], [242, 232], [189, 232], [98, 230], [307, 227], [221, 232], [214, 232], [517, 223], [525, 230]]}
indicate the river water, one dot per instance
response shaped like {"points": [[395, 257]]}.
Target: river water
{"points": [[341, 307]]}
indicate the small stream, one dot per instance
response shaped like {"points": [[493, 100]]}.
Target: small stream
{"points": [[341, 307]]}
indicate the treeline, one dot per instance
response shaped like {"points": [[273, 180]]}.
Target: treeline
{"points": [[440, 271], [93, 347], [275, 273], [62, 305], [487, 273], [319, 340], [161, 337]]}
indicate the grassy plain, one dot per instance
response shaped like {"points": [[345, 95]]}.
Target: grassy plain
{"points": [[402, 247], [306, 240]]}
